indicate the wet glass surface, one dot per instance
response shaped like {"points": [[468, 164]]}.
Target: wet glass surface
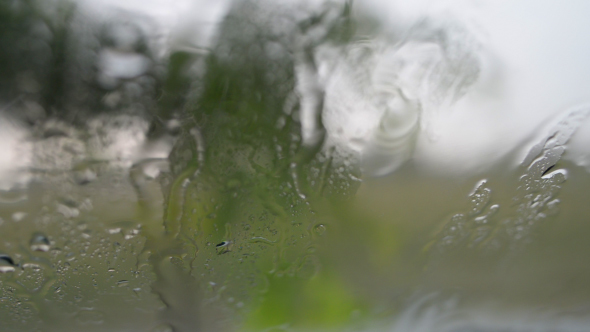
{"points": [[295, 166]]}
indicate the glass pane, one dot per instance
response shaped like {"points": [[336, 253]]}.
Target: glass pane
{"points": [[294, 166]]}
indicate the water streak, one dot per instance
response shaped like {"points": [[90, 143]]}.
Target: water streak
{"points": [[535, 197]]}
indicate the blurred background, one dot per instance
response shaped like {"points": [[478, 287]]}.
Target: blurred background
{"points": [[304, 165]]}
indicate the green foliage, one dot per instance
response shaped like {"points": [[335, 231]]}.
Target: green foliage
{"points": [[33, 51], [324, 302]]}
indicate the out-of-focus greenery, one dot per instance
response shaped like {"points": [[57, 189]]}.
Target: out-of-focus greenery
{"points": [[322, 302], [256, 209], [33, 50]]}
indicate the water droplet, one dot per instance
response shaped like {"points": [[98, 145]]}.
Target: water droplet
{"points": [[260, 239], [320, 229], [115, 230], [84, 175], [18, 216], [12, 197], [223, 247], [480, 197], [6, 264], [68, 212], [89, 316], [39, 242]]}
